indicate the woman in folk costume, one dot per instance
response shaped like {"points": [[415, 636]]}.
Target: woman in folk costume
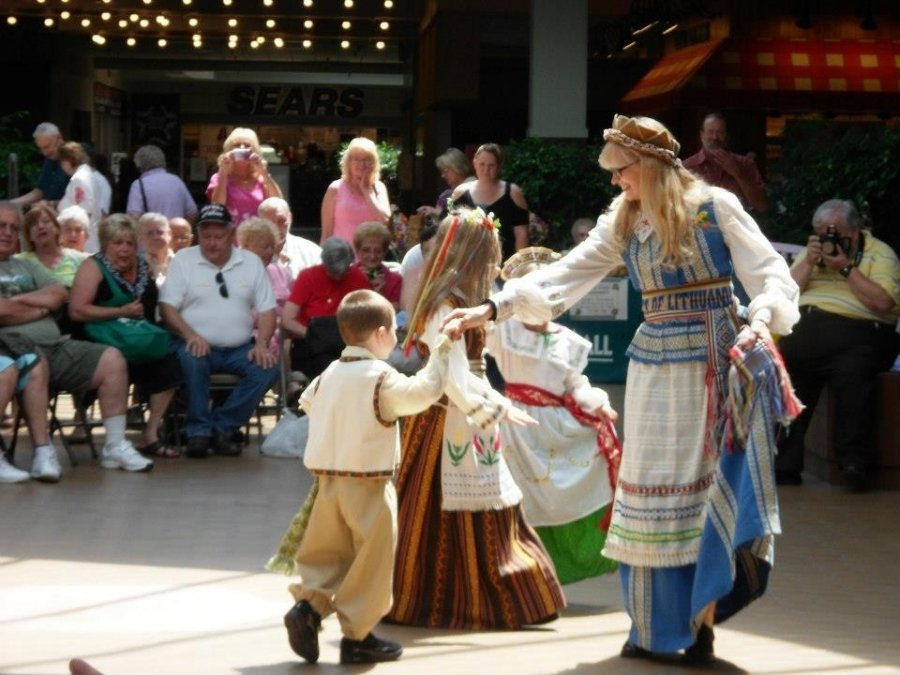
{"points": [[466, 557], [566, 465], [695, 508]]}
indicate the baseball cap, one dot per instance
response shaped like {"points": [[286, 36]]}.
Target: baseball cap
{"points": [[215, 214]]}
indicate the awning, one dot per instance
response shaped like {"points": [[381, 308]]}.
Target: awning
{"points": [[791, 75]]}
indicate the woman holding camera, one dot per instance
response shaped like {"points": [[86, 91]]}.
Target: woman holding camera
{"points": [[243, 180]]}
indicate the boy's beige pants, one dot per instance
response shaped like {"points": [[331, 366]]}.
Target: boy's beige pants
{"points": [[346, 558]]}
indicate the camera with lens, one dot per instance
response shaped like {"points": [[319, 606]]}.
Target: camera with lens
{"points": [[241, 153], [831, 241]]}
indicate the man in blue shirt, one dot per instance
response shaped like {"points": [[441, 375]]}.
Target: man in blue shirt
{"points": [[52, 180]]}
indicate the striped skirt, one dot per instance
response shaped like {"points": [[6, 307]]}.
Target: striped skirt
{"points": [[463, 569]]}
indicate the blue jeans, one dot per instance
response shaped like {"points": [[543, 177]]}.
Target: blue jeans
{"points": [[236, 410]]}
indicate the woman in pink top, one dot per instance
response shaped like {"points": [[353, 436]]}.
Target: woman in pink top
{"points": [[242, 181], [358, 195]]}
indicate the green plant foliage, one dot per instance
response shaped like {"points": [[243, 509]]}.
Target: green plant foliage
{"points": [[561, 180], [13, 140], [828, 160]]}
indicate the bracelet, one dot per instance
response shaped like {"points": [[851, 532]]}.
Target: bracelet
{"points": [[493, 307], [845, 271]]}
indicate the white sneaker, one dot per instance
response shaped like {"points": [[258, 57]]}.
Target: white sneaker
{"points": [[45, 465], [10, 473], [124, 456]]}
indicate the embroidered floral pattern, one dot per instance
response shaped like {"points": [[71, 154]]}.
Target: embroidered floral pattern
{"points": [[489, 453], [702, 219], [457, 452]]}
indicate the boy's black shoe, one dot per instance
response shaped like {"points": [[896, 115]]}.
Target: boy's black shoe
{"points": [[369, 650], [632, 651], [302, 623], [228, 446]]}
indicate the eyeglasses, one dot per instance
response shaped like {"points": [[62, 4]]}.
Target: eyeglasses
{"points": [[12, 227], [223, 289], [617, 173]]}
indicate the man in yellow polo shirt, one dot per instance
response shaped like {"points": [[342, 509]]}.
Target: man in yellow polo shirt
{"points": [[847, 334]]}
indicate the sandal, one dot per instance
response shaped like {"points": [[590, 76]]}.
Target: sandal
{"points": [[159, 449]]}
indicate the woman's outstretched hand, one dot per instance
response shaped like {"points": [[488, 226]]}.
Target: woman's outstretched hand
{"points": [[757, 330], [460, 320]]}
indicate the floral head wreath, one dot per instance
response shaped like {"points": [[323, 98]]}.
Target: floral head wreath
{"points": [[477, 216], [525, 257], [472, 218], [634, 134]]}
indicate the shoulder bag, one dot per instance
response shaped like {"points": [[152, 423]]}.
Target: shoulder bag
{"points": [[138, 339]]}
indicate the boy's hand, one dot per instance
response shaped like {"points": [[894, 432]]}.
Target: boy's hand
{"points": [[523, 419]]}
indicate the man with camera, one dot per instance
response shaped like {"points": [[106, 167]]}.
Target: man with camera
{"points": [[847, 334]]}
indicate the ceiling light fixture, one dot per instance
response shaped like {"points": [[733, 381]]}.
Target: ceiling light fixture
{"points": [[345, 44], [131, 42], [307, 44], [270, 23]]}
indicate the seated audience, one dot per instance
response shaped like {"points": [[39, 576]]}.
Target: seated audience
{"points": [[41, 240], [581, 228], [24, 373], [182, 234], [260, 236], [30, 296], [413, 265], [372, 241], [74, 223], [155, 238], [850, 290], [156, 190], [208, 302], [80, 190], [296, 252], [309, 314], [92, 299]]}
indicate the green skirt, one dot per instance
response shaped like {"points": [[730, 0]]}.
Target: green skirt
{"points": [[575, 547]]}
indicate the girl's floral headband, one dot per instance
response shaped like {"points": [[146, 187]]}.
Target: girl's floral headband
{"points": [[477, 216]]}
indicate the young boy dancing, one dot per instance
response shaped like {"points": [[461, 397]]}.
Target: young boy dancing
{"points": [[346, 557]]}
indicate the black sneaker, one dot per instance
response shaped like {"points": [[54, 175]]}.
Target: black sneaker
{"points": [[197, 447], [302, 623], [369, 650]]}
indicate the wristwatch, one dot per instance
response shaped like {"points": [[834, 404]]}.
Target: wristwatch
{"points": [[845, 270]]}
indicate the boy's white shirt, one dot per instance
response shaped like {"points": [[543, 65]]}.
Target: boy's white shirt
{"points": [[353, 407]]}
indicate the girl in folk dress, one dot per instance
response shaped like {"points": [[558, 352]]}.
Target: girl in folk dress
{"points": [[566, 465], [466, 557]]}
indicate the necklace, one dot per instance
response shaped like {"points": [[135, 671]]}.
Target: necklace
{"points": [[141, 280]]}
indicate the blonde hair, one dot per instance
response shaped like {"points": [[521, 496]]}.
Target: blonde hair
{"points": [[467, 270], [241, 134], [669, 193], [30, 220], [361, 313], [114, 226], [372, 229], [361, 144], [254, 227]]}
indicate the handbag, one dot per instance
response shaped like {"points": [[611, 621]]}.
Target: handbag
{"points": [[138, 339]]}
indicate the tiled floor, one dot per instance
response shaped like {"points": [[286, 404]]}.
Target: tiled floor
{"points": [[163, 573]]}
